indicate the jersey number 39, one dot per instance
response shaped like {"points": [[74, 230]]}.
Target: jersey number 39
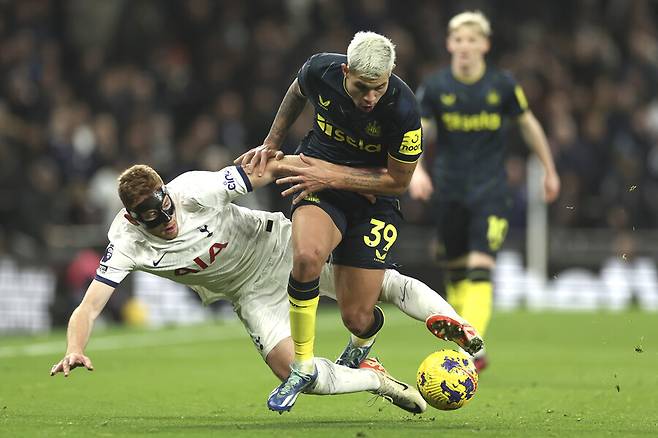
{"points": [[381, 230]]}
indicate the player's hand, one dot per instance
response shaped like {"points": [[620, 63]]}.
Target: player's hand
{"points": [[317, 175], [420, 186], [257, 158], [70, 362], [551, 186]]}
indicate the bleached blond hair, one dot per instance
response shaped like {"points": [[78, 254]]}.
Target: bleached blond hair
{"points": [[472, 18], [371, 55]]}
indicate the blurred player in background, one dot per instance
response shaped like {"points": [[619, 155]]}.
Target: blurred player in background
{"points": [[190, 232], [365, 118], [463, 107]]}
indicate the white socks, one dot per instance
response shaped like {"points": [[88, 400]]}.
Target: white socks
{"points": [[414, 297], [337, 379], [359, 342], [305, 366]]}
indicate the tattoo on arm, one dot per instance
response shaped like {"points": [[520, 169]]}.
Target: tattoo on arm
{"points": [[369, 180], [364, 179], [291, 107], [381, 181]]}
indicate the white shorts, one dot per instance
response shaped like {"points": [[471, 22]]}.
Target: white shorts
{"points": [[263, 306]]}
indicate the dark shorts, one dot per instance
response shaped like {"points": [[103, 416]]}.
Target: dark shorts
{"points": [[479, 226], [369, 230]]}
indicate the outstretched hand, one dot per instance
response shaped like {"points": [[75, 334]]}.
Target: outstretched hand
{"points": [[70, 362], [256, 158]]}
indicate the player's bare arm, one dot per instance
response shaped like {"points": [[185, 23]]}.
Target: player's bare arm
{"points": [[320, 175], [534, 136], [291, 107], [276, 167], [421, 186], [80, 326]]}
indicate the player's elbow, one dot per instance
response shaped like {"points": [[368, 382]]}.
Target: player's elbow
{"points": [[392, 189], [85, 312], [400, 185], [399, 190]]}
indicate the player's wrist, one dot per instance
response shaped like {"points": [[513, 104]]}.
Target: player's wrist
{"points": [[271, 143], [73, 350]]}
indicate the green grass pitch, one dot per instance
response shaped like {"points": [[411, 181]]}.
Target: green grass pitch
{"points": [[551, 374]]}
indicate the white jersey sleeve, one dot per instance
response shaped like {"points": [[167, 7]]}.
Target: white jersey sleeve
{"points": [[114, 266], [213, 189]]}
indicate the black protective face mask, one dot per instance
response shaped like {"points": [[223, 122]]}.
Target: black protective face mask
{"points": [[154, 202]]}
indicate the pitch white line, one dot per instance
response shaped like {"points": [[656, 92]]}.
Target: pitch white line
{"points": [[161, 338], [155, 339]]}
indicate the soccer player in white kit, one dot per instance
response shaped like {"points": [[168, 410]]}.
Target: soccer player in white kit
{"points": [[190, 232]]}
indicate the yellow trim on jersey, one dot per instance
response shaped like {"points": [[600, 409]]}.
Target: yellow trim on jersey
{"points": [[345, 86], [412, 143], [402, 161], [520, 97]]}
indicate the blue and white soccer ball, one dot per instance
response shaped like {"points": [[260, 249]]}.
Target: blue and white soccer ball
{"points": [[447, 379]]}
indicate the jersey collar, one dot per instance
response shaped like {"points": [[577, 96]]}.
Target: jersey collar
{"points": [[469, 81]]}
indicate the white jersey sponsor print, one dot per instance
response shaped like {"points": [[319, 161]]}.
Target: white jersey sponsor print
{"points": [[220, 246]]}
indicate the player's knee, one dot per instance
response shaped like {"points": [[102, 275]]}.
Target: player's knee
{"points": [[357, 321], [308, 262], [391, 283]]}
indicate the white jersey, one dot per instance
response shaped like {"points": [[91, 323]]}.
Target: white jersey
{"points": [[220, 246]]}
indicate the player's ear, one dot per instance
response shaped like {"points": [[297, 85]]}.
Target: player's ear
{"points": [[131, 219], [449, 45], [487, 45], [345, 69]]}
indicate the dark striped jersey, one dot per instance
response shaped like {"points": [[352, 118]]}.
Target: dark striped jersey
{"points": [[470, 119], [342, 133]]}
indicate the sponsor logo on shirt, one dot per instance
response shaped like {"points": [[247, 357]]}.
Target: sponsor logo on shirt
{"points": [[411, 143], [229, 181], [340, 136], [484, 121], [108, 252], [213, 252]]}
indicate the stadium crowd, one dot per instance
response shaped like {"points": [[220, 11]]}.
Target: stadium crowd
{"points": [[92, 86]]}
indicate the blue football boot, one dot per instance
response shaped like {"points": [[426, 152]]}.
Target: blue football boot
{"points": [[283, 398]]}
